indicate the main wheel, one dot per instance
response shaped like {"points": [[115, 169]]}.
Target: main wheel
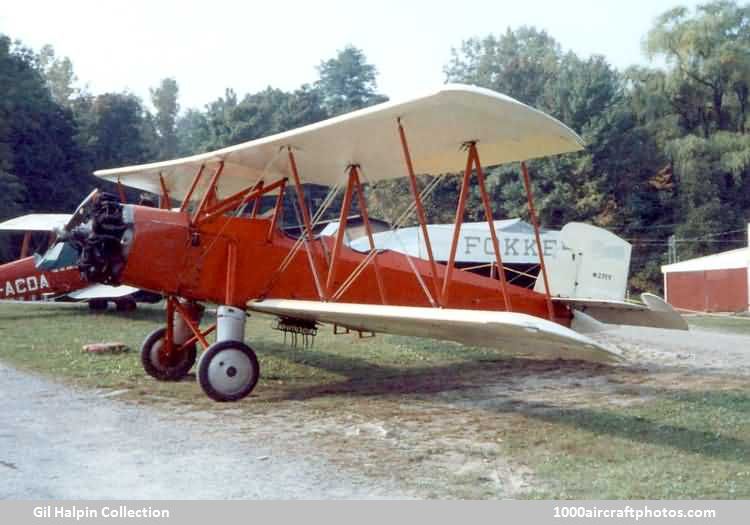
{"points": [[98, 305], [228, 371], [160, 366], [126, 304]]}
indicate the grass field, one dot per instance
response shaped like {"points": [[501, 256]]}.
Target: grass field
{"points": [[444, 420], [721, 323]]}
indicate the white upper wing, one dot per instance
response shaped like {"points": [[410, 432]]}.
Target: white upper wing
{"points": [[36, 222], [436, 125], [515, 332]]}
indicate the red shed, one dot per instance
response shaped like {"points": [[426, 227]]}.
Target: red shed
{"points": [[715, 283]]}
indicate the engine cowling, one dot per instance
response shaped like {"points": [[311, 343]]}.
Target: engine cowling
{"points": [[101, 241]]}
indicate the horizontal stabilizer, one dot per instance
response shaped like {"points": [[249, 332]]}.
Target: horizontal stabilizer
{"points": [[654, 312], [519, 333]]}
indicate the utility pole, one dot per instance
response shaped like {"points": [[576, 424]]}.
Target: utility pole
{"points": [[672, 249]]}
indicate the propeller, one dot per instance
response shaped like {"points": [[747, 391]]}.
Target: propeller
{"points": [[92, 240]]}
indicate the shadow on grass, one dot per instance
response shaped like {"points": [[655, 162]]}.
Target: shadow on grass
{"points": [[636, 428], [369, 379], [732, 400], [365, 378]]}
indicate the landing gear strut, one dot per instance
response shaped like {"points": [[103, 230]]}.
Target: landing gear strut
{"points": [[164, 366], [171, 361]]}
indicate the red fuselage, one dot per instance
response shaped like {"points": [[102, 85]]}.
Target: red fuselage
{"points": [[21, 280], [233, 260]]}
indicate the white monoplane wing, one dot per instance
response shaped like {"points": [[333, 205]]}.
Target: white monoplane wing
{"points": [[519, 333], [437, 124], [36, 222]]}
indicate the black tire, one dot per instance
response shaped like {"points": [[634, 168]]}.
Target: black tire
{"points": [[175, 370], [97, 305], [126, 304], [228, 381]]}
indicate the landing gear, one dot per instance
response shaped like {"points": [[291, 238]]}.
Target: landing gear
{"points": [[172, 361], [97, 305], [228, 371], [164, 365], [126, 304]]}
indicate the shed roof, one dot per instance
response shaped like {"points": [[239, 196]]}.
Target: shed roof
{"points": [[738, 258]]}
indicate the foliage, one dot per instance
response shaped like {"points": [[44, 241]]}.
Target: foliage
{"points": [[347, 82], [517, 63], [164, 99], [38, 147], [58, 74]]}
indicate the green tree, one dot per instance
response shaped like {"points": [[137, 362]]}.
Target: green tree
{"points": [[708, 52], [59, 75], [193, 134], [164, 98], [517, 63], [41, 163], [697, 109], [38, 139], [116, 130], [347, 82]]}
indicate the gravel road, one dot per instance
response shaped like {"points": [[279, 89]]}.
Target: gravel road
{"points": [[697, 349], [60, 443]]}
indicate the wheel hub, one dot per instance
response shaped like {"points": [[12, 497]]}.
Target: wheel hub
{"points": [[230, 371]]}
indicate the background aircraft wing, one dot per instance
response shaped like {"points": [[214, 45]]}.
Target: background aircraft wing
{"points": [[36, 222], [101, 291], [436, 125], [519, 333]]}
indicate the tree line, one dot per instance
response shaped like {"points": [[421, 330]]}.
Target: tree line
{"points": [[668, 149]]}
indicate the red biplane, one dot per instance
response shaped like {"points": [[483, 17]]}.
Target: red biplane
{"points": [[212, 249], [24, 280]]}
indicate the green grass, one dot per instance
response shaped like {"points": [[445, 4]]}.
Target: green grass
{"points": [[721, 323], [582, 430], [685, 445]]}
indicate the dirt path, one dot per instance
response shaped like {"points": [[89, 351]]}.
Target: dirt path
{"points": [[60, 443], [696, 349]]}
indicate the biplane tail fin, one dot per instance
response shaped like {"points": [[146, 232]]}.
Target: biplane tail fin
{"points": [[590, 274], [593, 263]]}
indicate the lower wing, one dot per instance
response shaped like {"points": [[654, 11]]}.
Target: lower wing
{"points": [[516, 332], [101, 291]]}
